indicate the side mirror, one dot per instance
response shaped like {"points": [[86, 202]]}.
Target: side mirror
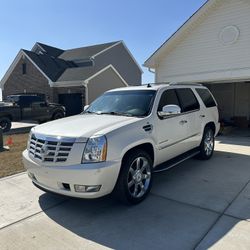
{"points": [[85, 107], [169, 110]]}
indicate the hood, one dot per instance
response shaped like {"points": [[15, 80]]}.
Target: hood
{"points": [[83, 126], [51, 104], [6, 104]]}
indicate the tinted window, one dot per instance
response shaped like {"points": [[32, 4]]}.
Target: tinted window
{"points": [[187, 99], [206, 97], [26, 101], [168, 97]]}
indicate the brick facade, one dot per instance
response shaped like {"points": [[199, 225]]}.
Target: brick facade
{"points": [[32, 81], [35, 82]]}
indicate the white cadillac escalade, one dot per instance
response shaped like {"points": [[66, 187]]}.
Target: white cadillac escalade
{"points": [[124, 136]]}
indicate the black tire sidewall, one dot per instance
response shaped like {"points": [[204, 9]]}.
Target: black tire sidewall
{"points": [[8, 121], [58, 113], [121, 189], [203, 155]]}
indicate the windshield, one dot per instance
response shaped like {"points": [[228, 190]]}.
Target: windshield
{"points": [[128, 103]]}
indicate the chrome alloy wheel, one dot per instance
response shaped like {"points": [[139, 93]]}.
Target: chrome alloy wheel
{"points": [[139, 177], [209, 143]]}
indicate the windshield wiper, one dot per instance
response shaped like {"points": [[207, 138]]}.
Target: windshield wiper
{"points": [[114, 113], [89, 112]]}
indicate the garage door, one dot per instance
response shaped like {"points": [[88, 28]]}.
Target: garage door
{"points": [[72, 103]]}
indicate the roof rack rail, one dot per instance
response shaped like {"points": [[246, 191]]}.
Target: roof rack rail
{"points": [[185, 84]]}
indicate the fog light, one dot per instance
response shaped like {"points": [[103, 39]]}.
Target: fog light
{"points": [[87, 189]]}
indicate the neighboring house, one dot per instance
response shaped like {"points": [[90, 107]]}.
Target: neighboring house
{"points": [[212, 47], [73, 77]]}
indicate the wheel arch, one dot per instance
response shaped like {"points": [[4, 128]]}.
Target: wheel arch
{"points": [[147, 147], [57, 110], [211, 125]]}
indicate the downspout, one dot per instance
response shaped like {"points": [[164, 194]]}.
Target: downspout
{"points": [[151, 71], [85, 84]]}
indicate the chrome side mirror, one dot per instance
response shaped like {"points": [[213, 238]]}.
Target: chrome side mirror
{"points": [[85, 107], [169, 110]]}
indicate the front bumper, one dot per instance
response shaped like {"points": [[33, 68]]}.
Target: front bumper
{"points": [[54, 178]]}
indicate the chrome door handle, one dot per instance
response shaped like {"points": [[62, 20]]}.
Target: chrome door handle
{"points": [[183, 122]]}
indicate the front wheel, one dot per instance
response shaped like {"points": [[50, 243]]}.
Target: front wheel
{"points": [[135, 179], [207, 144], [5, 124]]}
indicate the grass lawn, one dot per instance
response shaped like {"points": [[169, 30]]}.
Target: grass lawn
{"points": [[11, 161]]}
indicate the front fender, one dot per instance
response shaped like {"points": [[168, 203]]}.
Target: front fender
{"points": [[122, 140]]}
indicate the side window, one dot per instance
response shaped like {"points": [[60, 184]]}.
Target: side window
{"points": [[188, 100], [206, 97], [168, 97], [24, 102]]}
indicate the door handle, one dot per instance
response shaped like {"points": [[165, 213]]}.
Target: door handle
{"points": [[182, 122], [202, 116]]}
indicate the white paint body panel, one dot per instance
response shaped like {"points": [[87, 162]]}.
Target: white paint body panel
{"points": [[200, 54]]}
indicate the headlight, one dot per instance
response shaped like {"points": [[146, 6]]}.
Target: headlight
{"points": [[95, 149]]}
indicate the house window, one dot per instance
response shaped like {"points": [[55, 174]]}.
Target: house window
{"points": [[24, 68]]}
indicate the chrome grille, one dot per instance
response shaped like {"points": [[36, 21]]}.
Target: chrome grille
{"points": [[49, 149]]}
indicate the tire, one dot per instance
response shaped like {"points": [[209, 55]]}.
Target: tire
{"points": [[5, 124], [207, 144], [135, 178], [57, 115]]}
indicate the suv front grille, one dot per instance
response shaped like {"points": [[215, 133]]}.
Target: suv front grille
{"points": [[50, 149]]}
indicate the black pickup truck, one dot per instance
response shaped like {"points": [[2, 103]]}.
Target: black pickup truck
{"points": [[28, 107]]}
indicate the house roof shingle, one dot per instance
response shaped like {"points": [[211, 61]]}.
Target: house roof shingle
{"points": [[52, 67], [53, 51], [84, 52], [58, 65]]}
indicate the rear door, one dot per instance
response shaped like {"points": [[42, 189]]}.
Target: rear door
{"points": [[190, 109]]}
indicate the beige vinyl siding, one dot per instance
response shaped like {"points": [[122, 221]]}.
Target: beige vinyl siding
{"points": [[107, 80], [119, 57], [200, 55]]}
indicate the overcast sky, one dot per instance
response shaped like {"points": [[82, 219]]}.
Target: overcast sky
{"points": [[143, 25]]}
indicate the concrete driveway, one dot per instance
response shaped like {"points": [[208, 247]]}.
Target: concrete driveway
{"points": [[197, 205]]}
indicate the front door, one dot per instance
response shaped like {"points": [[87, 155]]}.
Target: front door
{"points": [[171, 131]]}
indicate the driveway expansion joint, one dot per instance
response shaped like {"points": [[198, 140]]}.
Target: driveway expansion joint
{"points": [[32, 215], [221, 214]]}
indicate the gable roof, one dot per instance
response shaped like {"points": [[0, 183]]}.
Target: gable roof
{"points": [[52, 67], [53, 51], [85, 52], [173, 39], [59, 65]]}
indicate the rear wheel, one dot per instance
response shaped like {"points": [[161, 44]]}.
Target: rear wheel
{"points": [[58, 115], [135, 179], [5, 124], [207, 144]]}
